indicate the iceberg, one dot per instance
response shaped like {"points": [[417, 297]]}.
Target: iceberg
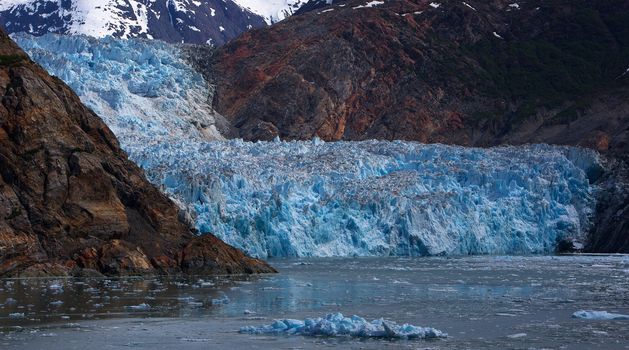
{"points": [[336, 324], [599, 315], [316, 198]]}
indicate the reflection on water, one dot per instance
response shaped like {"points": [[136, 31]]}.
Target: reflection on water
{"points": [[480, 301]]}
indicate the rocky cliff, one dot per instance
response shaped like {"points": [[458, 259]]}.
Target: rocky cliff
{"points": [[71, 201], [471, 73]]}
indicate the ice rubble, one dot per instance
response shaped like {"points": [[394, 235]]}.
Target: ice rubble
{"points": [[338, 325], [599, 315], [315, 198]]}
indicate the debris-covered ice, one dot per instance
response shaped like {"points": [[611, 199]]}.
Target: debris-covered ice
{"points": [[338, 325], [599, 315]]}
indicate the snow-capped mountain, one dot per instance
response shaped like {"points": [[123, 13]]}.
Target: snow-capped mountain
{"points": [[190, 21], [272, 10]]}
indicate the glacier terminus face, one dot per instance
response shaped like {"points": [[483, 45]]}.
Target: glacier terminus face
{"points": [[313, 198], [378, 197]]}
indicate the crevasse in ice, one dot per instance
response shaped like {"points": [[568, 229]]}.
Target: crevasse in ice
{"points": [[313, 198]]}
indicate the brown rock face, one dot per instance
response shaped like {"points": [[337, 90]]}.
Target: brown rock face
{"points": [[70, 199], [484, 74]]}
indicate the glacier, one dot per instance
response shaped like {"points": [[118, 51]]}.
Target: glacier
{"points": [[378, 197], [144, 90], [315, 198], [336, 324]]}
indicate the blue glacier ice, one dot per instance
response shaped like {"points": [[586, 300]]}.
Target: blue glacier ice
{"points": [[338, 325], [313, 198], [143, 89], [377, 197]]}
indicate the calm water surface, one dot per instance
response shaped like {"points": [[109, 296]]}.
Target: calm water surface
{"points": [[481, 302]]}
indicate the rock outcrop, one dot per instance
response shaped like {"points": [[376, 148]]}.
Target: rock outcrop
{"points": [[70, 200], [472, 73]]}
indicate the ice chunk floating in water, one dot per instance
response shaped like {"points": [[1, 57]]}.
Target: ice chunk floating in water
{"points": [[338, 325], [599, 315], [316, 198]]}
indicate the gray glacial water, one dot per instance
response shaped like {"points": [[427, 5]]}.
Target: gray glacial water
{"points": [[481, 302]]}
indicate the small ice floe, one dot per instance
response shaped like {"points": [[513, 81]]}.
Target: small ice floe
{"points": [[56, 287], [195, 304], [205, 284], [338, 325], [56, 303], [196, 340], [248, 312], [517, 335], [598, 315], [141, 307], [16, 315], [221, 301]]}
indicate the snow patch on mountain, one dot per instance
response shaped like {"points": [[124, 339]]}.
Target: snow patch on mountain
{"points": [[272, 10]]}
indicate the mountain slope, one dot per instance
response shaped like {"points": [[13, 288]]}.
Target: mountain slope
{"points": [[71, 200], [190, 21], [471, 73]]}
